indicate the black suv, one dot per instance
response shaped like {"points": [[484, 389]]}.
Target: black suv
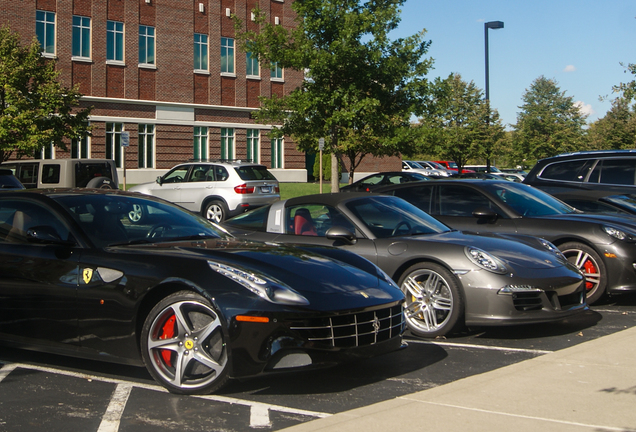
{"points": [[607, 172]]}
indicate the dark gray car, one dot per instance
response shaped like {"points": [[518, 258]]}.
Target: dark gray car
{"points": [[603, 246], [449, 278]]}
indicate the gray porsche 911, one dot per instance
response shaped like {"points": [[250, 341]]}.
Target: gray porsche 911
{"points": [[449, 278]]}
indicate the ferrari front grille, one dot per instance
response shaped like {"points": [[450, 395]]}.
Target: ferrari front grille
{"points": [[353, 330]]}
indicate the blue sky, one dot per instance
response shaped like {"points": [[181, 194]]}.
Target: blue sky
{"points": [[581, 44]]}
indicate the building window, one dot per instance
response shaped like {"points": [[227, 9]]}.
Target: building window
{"points": [[115, 41], [113, 142], [277, 153], [227, 55], [79, 148], [276, 72], [253, 143], [45, 31], [252, 64], [227, 143], [146, 136], [47, 152], [200, 143], [146, 45], [81, 36], [200, 52]]}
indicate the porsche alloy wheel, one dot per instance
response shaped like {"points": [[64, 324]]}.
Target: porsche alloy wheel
{"points": [[183, 345], [434, 304], [593, 268]]}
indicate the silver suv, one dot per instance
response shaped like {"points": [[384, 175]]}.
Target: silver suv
{"points": [[216, 189]]}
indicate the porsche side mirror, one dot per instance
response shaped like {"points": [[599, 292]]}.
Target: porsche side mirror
{"points": [[341, 233], [485, 213], [159, 180]]}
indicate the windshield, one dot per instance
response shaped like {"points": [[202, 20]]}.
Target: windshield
{"points": [[387, 216], [625, 201], [110, 219], [527, 200]]}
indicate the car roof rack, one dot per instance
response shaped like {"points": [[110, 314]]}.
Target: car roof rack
{"points": [[219, 160]]}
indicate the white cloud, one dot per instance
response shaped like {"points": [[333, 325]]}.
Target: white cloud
{"points": [[569, 68], [586, 109]]}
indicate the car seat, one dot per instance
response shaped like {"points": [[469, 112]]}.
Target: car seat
{"points": [[304, 223]]}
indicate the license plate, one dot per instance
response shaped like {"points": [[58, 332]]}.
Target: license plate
{"points": [[266, 189]]}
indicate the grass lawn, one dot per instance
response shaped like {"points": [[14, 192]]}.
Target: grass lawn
{"points": [[290, 190]]}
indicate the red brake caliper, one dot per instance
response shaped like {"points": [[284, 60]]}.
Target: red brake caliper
{"points": [[589, 268], [168, 333]]}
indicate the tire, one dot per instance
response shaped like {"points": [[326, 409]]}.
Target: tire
{"points": [[138, 214], [101, 183], [590, 263], [216, 211], [434, 303], [183, 345]]}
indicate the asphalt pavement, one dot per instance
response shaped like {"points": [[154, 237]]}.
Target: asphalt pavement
{"points": [[590, 386]]}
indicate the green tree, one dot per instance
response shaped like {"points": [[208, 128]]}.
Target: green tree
{"points": [[360, 86], [615, 131], [35, 108], [549, 122], [458, 123]]}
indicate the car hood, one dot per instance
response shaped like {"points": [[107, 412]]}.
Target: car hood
{"points": [[600, 218], [517, 251], [305, 269]]}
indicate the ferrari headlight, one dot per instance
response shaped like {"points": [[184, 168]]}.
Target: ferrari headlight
{"points": [[483, 259], [261, 285], [619, 233]]}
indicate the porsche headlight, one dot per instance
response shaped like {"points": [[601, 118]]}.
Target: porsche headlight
{"points": [[487, 261], [552, 248], [619, 233], [261, 285]]}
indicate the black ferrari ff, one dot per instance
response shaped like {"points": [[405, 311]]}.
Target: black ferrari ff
{"points": [[178, 295], [449, 278], [602, 246]]}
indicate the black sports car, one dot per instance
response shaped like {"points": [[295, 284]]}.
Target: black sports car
{"points": [[178, 295], [603, 246], [449, 278], [374, 181]]}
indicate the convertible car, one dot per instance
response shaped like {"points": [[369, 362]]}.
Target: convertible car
{"points": [[177, 294], [449, 278]]}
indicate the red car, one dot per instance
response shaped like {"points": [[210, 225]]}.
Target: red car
{"points": [[451, 165]]}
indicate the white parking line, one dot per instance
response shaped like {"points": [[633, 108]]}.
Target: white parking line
{"points": [[259, 412], [484, 347], [112, 416]]}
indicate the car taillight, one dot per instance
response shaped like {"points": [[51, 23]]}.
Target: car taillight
{"points": [[244, 189], [276, 189]]}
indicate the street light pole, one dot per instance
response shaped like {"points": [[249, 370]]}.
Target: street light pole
{"points": [[489, 25]]}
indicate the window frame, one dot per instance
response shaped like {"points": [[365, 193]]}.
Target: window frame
{"points": [[147, 56], [81, 39], [253, 144], [277, 73], [113, 149], [200, 142], [146, 145], [45, 30], [202, 49], [252, 65], [228, 58], [227, 143], [115, 39], [278, 150]]}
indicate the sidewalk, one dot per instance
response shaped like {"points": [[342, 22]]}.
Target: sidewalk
{"points": [[591, 386]]}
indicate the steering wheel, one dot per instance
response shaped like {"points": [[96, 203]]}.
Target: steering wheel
{"points": [[158, 230], [399, 225]]}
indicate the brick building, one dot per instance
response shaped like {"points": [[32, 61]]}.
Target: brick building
{"points": [[167, 75]]}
